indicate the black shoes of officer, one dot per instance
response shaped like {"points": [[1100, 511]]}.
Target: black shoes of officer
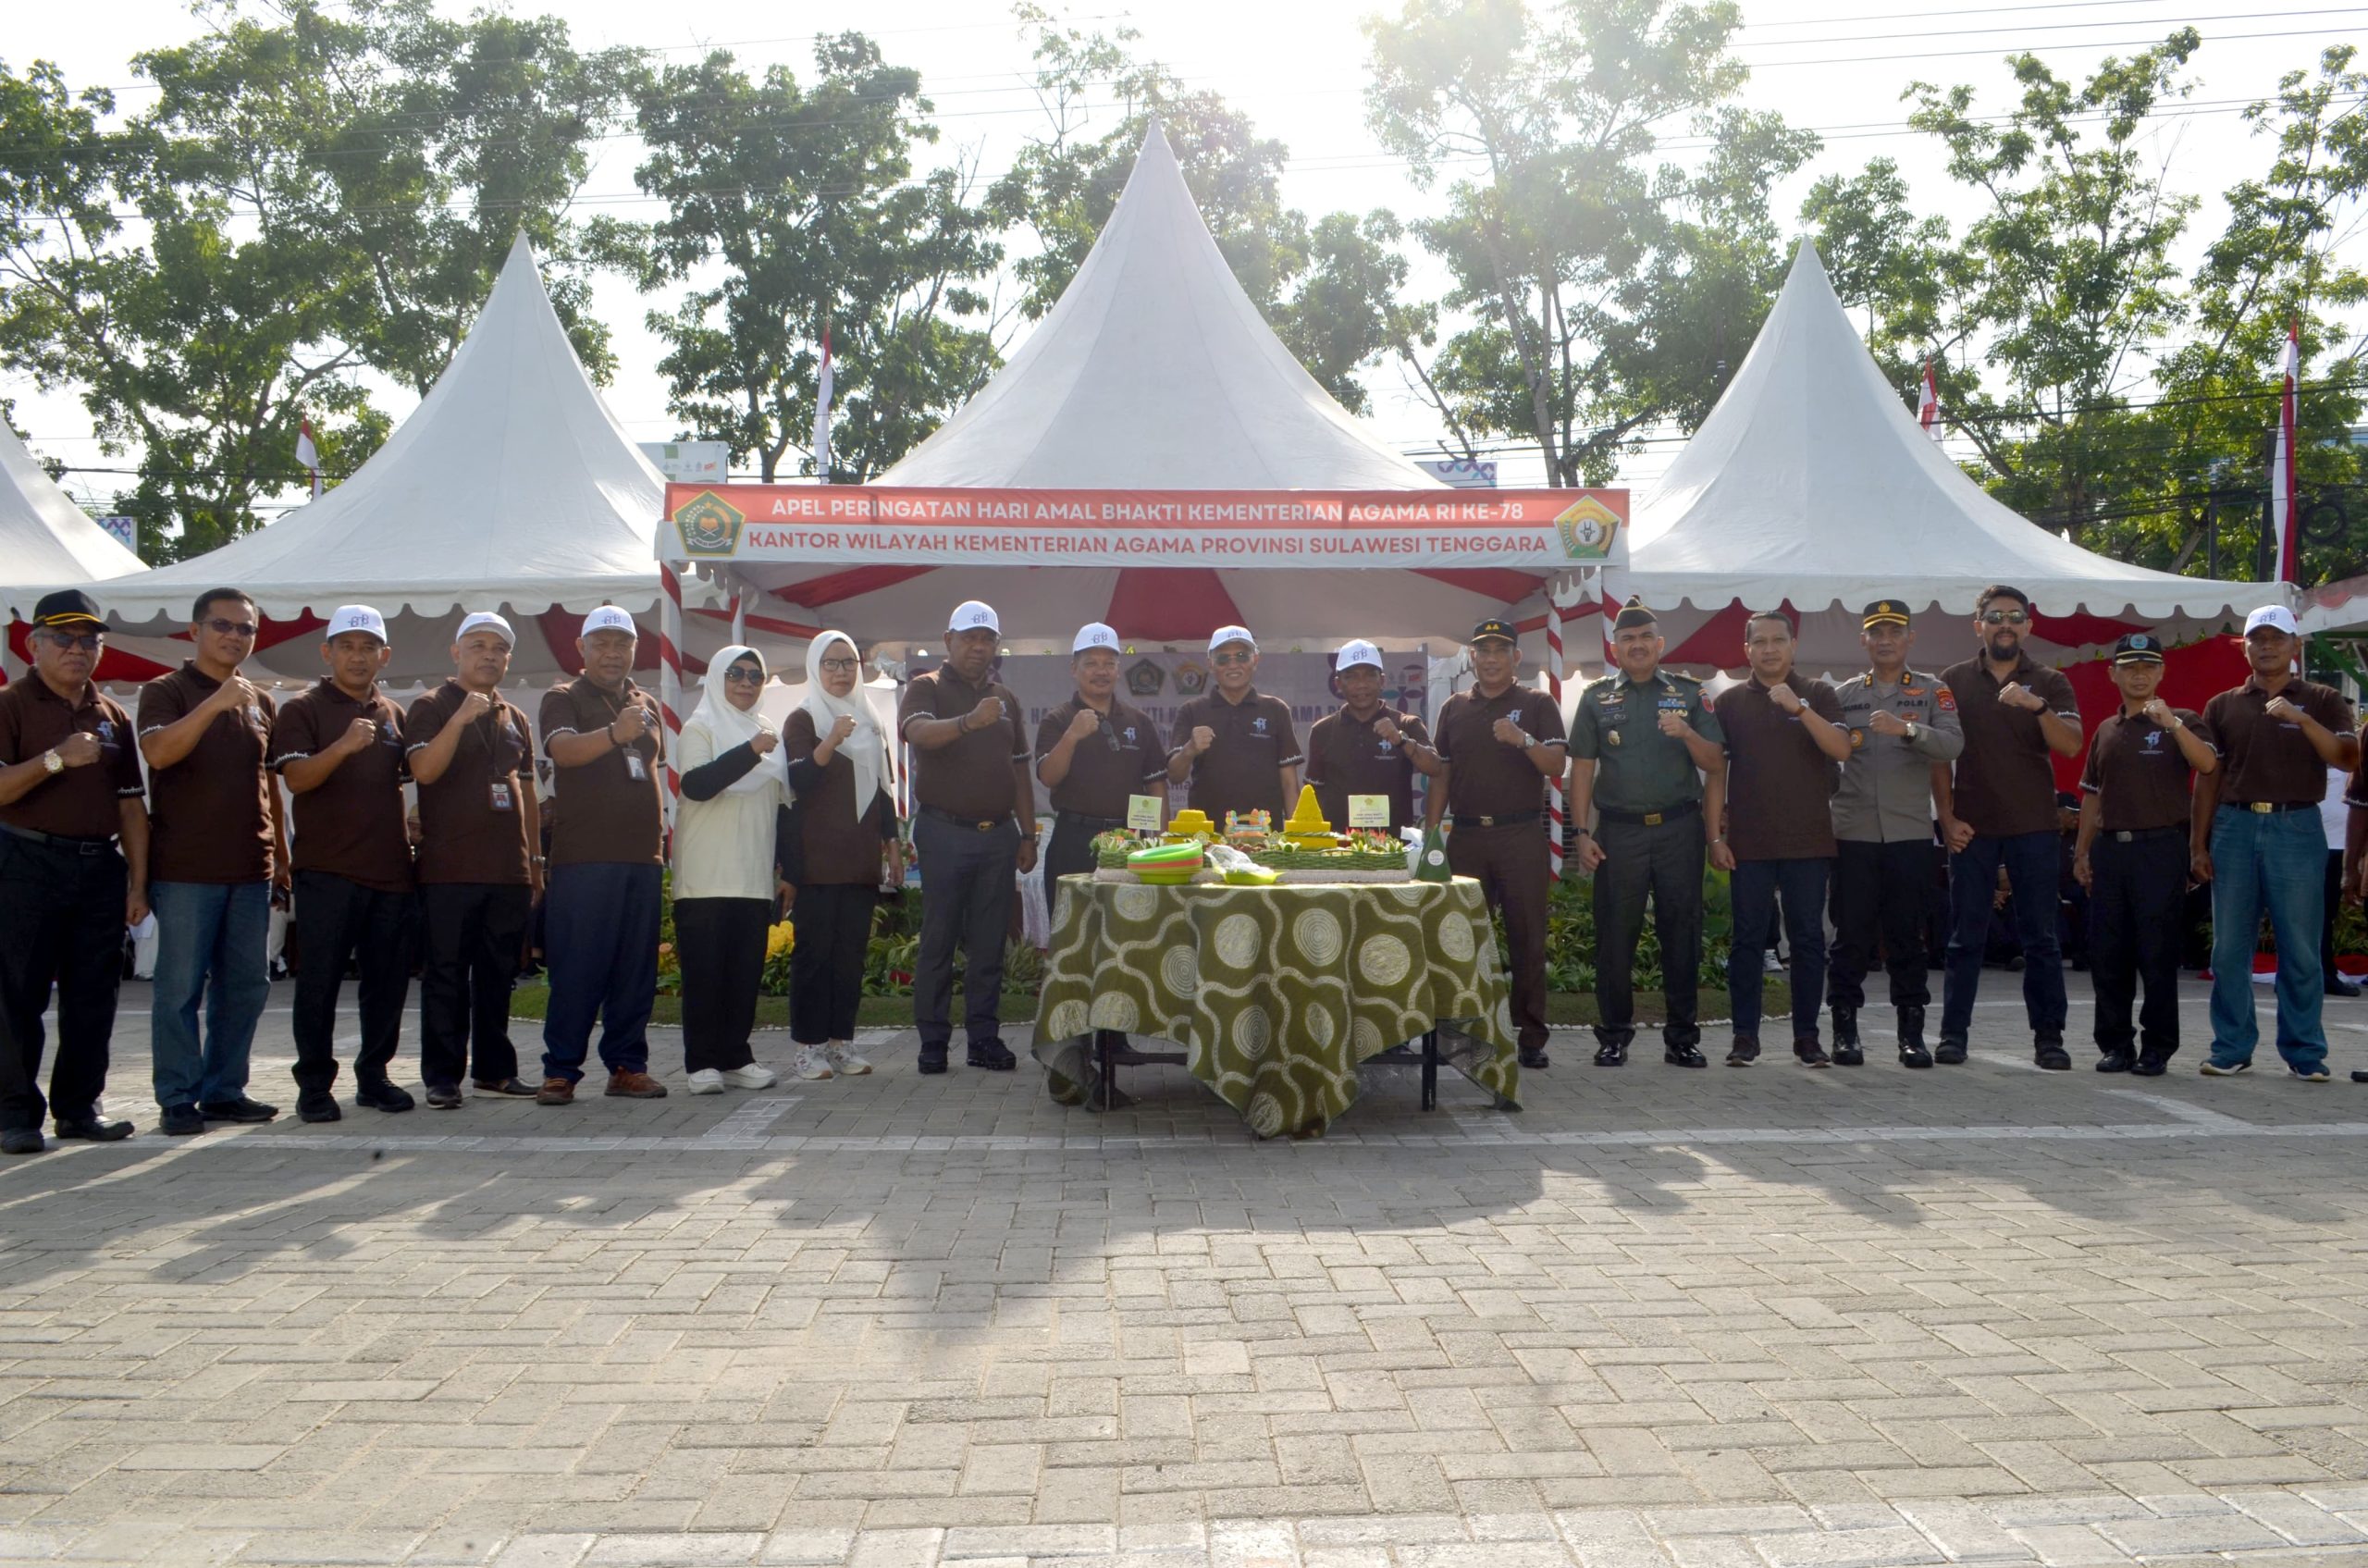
{"points": [[993, 1055], [2115, 1061], [1611, 1054], [2149, 1065], [1809, 1054], [932, 1060], [92, 1130], [1744, 1051], [1847, 1052], [514, 1088], [181, 1122], [2048, 1051], [239, 1110], [382, 1096], [1912, 1053], [444, 1097], [1535, 1059], [21, 1140], [1950, 1052], [2338, 986], [1685, 1056], [318, 1104]]}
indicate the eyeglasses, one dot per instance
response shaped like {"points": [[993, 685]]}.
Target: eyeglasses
{"points": [[222, 628], [1231, 658], [740, 677], [87, 642], [2005, 617], [842, 666]]}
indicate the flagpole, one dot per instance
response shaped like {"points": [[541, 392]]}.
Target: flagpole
{"points": [[2284, 514]]}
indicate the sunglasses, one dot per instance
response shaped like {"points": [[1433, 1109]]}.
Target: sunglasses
{"points": [[88, 642], [1231, 658], [2005, 617], [741, 677], [222, 628], [842, 666]]}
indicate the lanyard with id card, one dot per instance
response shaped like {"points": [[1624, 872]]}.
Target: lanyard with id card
{"points": [[500, 795]]}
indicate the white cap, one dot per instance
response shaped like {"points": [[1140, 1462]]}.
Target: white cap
{"points": [[1224, 635], [1352, 654], [972, 614], [1093, 634], [486, 618], [608, 618], [355, 618], [2276, 617]]}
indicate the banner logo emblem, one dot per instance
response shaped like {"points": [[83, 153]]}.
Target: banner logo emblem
{"points": [[708, 525]]}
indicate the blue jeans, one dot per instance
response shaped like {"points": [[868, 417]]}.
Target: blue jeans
{"points": [[2034, 862], [2277, 862], [1756, 887], [600, 944], [216, 932]]}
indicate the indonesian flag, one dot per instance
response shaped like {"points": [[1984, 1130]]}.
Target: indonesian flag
{"points": [[308, 454], [1928, 407], [823, 413], [2284, 512]]}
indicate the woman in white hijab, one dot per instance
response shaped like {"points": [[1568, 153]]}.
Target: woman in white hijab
{"points": [[734, 787], [836, 847]]}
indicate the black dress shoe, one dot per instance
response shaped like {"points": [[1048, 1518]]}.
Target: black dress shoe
{"points": [[1809, 1054], [1612, 1056], [91, 1130], [933, 1059], [21, 1140], [240, 1110], [1744, 1051], [2150, 1066], [2115, 1061], [444, 1097], [2051, 1058], [1535, 1057], [383, 1096], [181, 1122], [2338, 986], [1950, 1053], [516, 1088], [317, 1106], [1685, 1056], [991, 1055], [1913, 1055]]}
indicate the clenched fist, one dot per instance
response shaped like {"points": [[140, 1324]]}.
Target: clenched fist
{"points": [[1388, 731], [474, 706], [358, 735], [1672, 723], [763, 742], [1786, 700], [2014, 693], [1509, 733], [631, 725], [1203, 738], [1883, 722], [2160, 712], [78, 749], [841, 728], [2279, 708], [231, 695], [989, 711], [1084, 724]]}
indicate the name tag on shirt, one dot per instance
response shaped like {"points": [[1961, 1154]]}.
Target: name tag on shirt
{"points": [[635, 769], [1143, 813], [500, 791], [1369, 811]]}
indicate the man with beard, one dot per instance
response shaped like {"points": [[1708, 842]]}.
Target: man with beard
{"points": [[73, 874], [1235, 744], [1365, 748], [1999, 810], [2256, 837], [971, 780]]}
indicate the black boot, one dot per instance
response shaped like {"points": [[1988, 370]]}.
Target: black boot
{"points": [[1846, 1051], [1912, 1053]]}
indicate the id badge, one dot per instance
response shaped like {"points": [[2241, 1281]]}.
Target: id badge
{"points": [[635, 769], [501, 794]]}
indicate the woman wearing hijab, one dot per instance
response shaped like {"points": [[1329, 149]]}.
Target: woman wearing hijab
{"points": [[733, 789], [832, 852]]}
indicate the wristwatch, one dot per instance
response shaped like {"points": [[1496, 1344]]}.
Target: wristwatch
{"points": [[52, 762], [1910, 732]]}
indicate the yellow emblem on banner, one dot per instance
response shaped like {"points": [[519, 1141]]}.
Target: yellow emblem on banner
{"points": [[1587, 528], [708, 525]]}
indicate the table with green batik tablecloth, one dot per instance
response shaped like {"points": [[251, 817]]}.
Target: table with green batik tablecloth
{"points": [[1276, 993]]}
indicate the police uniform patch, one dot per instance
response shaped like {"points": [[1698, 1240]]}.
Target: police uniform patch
{"points": [[1858, 739], [1947, 699]]}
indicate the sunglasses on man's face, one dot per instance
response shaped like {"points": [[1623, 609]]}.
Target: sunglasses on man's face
{"points": [[222, 628], [2005, 617], [87, 642], [740, 677], [1232, 658]]}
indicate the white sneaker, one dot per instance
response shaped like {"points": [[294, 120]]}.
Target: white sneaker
{"points": [[753, 1075], [843, 1059], [809, 1064], [706, 1081]]}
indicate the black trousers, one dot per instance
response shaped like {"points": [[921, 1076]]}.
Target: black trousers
{"points": [[1509, 864], [1664, 861], [1880, 891], [969, 885], [721, 944], [472, 933], [2135, 894], [826, 967], [61, 923], [336, 920]]}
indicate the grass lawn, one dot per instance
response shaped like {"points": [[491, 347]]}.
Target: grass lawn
{"points": [[896, 1012]]}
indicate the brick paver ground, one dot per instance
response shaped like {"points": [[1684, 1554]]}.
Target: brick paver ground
{"points": [[1771, 1317]]}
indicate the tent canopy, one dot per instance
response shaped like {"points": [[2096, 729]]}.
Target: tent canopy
{"points": [[1811, 484], [44, 537], [511, 486]]}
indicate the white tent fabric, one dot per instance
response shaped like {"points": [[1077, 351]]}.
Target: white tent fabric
{"points": [[1811, 482], [1155, 371], [44, 537], [509, 487]]}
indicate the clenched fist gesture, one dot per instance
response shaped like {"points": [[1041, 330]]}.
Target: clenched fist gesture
{"points": [[631, 725], [841, 728], [2278, 707], [2160, 712], [989, 711], [1386, 730], [231, 695], [1203, 738], [1786, 700], [474, 706], [1883, 722], [763, 741], [2014, 693], [358, 735], [1084, 724], [78, 749], [1509, 733], [1674, 723]]}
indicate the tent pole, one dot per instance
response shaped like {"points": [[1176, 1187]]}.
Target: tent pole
{"points": [[670, 678], [1555, 615]]}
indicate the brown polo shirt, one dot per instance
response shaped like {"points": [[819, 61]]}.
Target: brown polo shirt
{"points": [[833, 847], [1118, 759], [1780, 786], [209, 814], [1241, 770], [2138, 772], [473, 819], [2266, 759], [351, 824], [1345, 757], [2005, 777], [81, 802], [969, 776], [1486, 777], [609, 811]]}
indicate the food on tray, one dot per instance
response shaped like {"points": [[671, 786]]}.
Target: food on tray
{"points": [[1189, 824], [1306, 828], [1252, 876]]}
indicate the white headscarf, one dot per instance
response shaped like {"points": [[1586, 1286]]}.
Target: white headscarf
{"points": [[729, 726], [867, 749]]}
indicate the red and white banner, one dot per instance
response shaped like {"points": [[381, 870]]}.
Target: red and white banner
{"points": [[2284, 514], [1535, 530], [1928, 405]]}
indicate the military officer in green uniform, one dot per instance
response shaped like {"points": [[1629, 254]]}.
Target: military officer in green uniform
{"points": [[1646, 757]]}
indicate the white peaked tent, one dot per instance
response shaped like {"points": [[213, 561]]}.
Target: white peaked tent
{"points": [[1811, 482], [44, 537], [509, 487], [1154, 372]]}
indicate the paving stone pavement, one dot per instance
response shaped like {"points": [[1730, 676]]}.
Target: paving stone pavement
{"points": [[1772, 1318]]}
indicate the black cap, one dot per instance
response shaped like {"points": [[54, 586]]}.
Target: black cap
{"points": [[1634, 614], [1495, 627], [1884, 612], [2139, 648], [67, 607]]}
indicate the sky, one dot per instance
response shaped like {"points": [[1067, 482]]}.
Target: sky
{"points": [[1298, 69]]}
